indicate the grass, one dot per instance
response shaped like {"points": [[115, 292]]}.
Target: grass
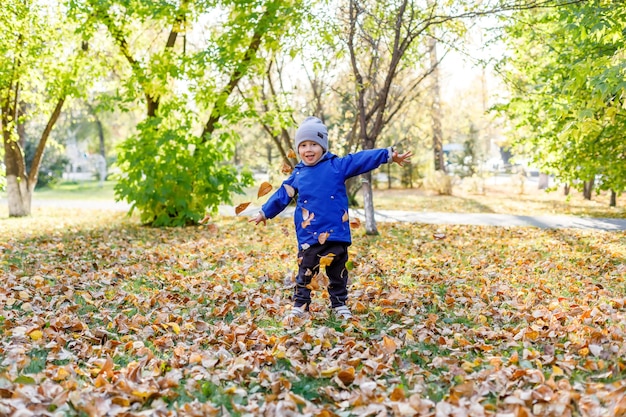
{"points": [[77, 190], [485, 305], [496, 198]]}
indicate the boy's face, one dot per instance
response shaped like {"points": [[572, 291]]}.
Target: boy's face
{"points": [[310, 152]]}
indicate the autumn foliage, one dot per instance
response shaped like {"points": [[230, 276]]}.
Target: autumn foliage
{"points": [[101, 316]]}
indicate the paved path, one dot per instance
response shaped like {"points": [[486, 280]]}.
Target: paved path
{"points": [[486, 219]]}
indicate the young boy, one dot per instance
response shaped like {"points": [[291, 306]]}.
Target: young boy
{"points": [[321, 214]]}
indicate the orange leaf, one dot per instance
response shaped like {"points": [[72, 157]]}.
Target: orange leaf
{"points": [[206, 218], [264, 188], [388, 345], [291, 154], [241, 207], [322, 237], [286, 168], [346, 375], [345, 217], [355, 223], [307, 220], [397, 394]]}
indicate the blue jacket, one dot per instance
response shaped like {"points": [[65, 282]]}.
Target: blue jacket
{"points": [[322, 199]]}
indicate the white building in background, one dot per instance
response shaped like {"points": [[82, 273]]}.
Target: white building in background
{"points": [[83, 166]]}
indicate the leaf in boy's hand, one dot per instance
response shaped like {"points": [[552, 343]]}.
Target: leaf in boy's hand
{"points": [[241, 207], [265, 188], [291, 154], [206, 218], [322, 237]]}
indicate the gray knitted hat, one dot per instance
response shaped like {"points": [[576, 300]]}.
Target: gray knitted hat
{"points": [[314, 130]]}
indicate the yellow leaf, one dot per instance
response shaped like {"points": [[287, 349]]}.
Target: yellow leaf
{"points": [[556, 371], [174, 327], [61, 374], [241, 207], [328, 372], [326, 260], [322, 237], [345, 217], [36, 334], [264, 188]]}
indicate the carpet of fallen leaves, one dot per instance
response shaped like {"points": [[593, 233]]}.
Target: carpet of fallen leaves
{"points": [[101, 316]]}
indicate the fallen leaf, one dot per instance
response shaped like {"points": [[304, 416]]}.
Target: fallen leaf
{"points": [[36, 334], [346, 376], [264, 188], [355, 223], [205, 219]]}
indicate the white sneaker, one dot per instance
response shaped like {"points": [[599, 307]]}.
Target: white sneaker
{"points": [[342, 312], [298, 312]]}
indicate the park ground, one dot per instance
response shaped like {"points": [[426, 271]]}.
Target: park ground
{"points": [[103, 316]]}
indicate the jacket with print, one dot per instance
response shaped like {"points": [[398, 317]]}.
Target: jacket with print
{"points": [[322, 199]]}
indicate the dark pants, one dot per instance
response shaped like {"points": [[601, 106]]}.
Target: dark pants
{"points": [[309, 265]]}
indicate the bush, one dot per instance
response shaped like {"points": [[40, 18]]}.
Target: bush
{"points": [[439, 182], [172, 177]]}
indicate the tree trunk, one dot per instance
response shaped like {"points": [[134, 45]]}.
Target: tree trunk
{"points": [[20, 183], [588, 189], [368, 204], [613, 202], [566, 189], [435, 110]]}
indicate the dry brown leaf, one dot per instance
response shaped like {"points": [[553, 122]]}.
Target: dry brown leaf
{"points": [[205, 219], [345, 217], [308, 219], [355, 223], [388, 345], [291, 154], [241, 207], [286, 168], [290, 190], [346, 375], [264, 188]]}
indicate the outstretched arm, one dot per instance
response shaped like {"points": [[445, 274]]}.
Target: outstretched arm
{"points": [[400, 159]]}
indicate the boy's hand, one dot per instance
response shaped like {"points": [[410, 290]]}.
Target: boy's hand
{"points": [[260, 218], [400, 159]]}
